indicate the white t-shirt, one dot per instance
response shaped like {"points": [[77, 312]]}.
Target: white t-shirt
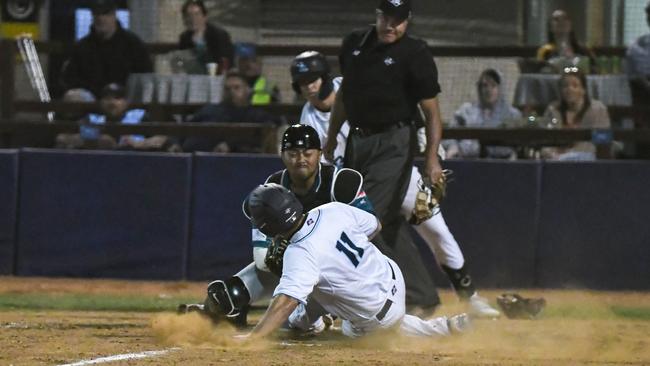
{"points": [[331, 258], [320, 121]]}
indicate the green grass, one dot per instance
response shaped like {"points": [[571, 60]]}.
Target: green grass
{"points": [[88, 302], [11, 301], [587, 312], [631, 313]]}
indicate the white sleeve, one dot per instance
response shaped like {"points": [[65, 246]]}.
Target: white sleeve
{"points": [[259, 254], [300, 274], [366, 222]]}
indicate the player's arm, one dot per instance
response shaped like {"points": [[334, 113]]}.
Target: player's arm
{"points": [[433, 126], [337, 117], [277, 313]]}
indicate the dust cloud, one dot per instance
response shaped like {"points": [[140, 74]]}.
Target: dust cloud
{"points": [[194, 330]]}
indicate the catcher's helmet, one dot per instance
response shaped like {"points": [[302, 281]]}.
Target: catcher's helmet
{"points": [[309, 66], [272, 208], [300, 137]]}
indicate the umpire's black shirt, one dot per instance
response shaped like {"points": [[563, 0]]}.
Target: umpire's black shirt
{"points": [[383, 83]]}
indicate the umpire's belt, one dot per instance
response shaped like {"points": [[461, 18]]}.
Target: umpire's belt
{"points": [[373, 130], [384, 309]]}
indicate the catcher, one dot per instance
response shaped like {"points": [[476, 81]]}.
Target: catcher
{"points": [[314, 184]]}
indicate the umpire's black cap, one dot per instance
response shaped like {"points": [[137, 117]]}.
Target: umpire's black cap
{"points": [[273, 209], [399, 9], [300, 136]]}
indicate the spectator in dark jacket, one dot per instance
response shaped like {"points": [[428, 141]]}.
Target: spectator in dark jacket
{"points": [[235, 107], [107, 55], [210, 43]]}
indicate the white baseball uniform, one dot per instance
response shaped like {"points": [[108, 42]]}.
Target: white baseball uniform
{"points": [[331, 265], [320, 121], [434, 231]]}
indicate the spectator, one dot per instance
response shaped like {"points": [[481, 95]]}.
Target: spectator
{"points": [[210, 44], [638, 66], [563, 48], [250, 66], [491, 110], [575, 110], [107, 55], [76, 96], [235, 107], [114, 108]]}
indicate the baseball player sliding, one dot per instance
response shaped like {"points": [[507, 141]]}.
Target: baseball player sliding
{"points": [[330, 266], [314, 184], [311, 78]]}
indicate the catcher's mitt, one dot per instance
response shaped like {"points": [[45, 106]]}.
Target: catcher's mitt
{"points": [[275, 255], [516, 306], [428, 198]]}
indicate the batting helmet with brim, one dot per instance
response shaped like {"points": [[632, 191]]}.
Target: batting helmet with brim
{"points": [[309, 66], [273, 209], [300, 136]]}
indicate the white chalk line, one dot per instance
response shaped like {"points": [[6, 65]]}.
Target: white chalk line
{"points": [[124, 356]]}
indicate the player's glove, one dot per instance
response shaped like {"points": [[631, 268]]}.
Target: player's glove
{"points": [[428, 198], [516, 306], [275, 254]]}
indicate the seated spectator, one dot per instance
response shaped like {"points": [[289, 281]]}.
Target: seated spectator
{"points": [[638, 66], [250, 66], [490, 111], [638, 70], [563, 48], [575, 109], [76, 96], [114, 108], [107, 55], [235, 107], [209, 43]]}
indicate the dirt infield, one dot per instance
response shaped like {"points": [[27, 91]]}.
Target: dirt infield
{"points": [[577, 328]]}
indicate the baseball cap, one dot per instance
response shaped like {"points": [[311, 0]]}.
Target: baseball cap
{"points": [[100, 7], [245, 50], [399, 9], [113, 90]]}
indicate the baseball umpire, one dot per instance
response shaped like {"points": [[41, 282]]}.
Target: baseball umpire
{"points": [[387, 74], [311, 78]]}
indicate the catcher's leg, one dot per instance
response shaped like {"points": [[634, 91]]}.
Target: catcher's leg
{"points": [[231, 299]]}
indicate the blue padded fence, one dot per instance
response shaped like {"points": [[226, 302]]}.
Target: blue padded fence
{"points": [[491, 210], [100, 214], [594, 228], [220, 243], [170, 217], [8, 200]]}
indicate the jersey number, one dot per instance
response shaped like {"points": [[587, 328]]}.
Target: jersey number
{"points": [[346, 246]]}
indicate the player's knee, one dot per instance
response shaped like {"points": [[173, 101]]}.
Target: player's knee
{"points": [[227, 298]]}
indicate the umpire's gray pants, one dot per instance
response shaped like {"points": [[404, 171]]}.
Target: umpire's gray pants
{"points": [[385, 160]]}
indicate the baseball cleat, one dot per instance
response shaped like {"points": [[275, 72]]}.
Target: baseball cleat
{"points": [[459, 324], [480, 308]]}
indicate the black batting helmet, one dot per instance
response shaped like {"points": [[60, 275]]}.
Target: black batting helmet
{"points": [[300, 137], [273, 209], [309, 66]]}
